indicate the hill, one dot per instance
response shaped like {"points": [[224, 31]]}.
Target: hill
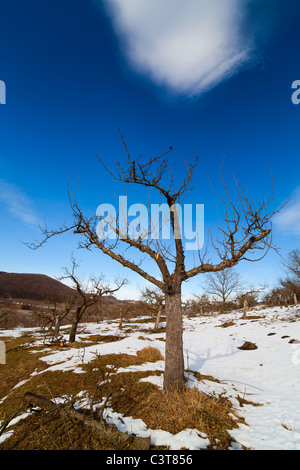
{"points": [[32, 287]]}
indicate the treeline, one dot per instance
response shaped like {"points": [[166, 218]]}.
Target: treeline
{"points": [[287, 291], [224, 291]]}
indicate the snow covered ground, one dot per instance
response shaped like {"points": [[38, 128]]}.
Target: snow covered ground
{"points": [[268, 375]]}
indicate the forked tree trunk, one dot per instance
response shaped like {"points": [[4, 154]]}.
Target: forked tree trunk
{"points": [[174, 362]]}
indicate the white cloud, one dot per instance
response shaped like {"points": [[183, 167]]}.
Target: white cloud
{"points": [[185, 46], [288, 220], [17, 203]]}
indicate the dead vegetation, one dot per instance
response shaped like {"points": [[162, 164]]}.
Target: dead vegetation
{"points": [[75, 404]]}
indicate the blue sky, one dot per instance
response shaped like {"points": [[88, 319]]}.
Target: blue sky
{"points": [[211, 78]]}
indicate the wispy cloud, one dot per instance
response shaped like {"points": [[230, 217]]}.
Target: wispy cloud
{"points": [[186, 46], [17, 203], [288, 220]]}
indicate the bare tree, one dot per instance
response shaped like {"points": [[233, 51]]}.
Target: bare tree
{"points": [[87, 295], [248, 297], [156, 299], [291, 284], [53, 313], [4, 313], [198, 305], [222, 284], [245, 233], [292, 264]]}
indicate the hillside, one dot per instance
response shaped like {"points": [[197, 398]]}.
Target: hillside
{"points": [[236, 398], [32, 287]]}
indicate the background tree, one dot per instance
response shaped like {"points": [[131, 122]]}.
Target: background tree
{"points": [[156, 299], [198, 305], [87, 295], [249, 297], [53, 313], [292, 264], [222, 284], [291, 283], [245, 231], [276, 296], [4, 313]]}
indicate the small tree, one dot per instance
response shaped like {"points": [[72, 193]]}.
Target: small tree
{"points": [[292, 264], [249, 297], [53, 313], [291, 284], [245, 231], [222, 284], [156, 299], [87, 295], [198, 305]]}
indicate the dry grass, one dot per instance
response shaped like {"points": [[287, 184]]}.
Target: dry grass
{"points": [[149, 354], [100, 379], [226, 324], [175, 412]]}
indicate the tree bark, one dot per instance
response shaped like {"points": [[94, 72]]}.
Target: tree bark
{"points": [[58, 321], [245, 308], [157, 319], [73, 330], [174, 362]]}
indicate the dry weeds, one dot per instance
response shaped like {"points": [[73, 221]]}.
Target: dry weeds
{"points": [[99, 380]]}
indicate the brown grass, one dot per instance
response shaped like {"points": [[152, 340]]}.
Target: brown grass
{"points": [[175, 412], [100, 378]]}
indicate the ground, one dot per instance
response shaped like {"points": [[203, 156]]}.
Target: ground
{"points": [[235, 398]]}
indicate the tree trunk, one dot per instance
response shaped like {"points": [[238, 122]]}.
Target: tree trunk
{"points": [[73, 330], [295, 299], [245, 308], [58, 320], [157, 319], [174, 363]]}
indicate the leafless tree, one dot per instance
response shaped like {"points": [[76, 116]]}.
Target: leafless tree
{"points": [[156, 299], [222, 284], [245, 235], [248, 297], [292, 264], [52, 313], [87, 295], [291, 284], [198, 305], [4, 313]]}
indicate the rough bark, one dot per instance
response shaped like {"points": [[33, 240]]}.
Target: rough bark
{"points": [[73, 330], [157, 319], [174, 362]]}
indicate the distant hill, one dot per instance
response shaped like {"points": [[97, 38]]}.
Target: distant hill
{"points": [[42, 287], [32, 287]]}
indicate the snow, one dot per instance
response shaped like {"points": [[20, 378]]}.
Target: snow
{"points": [[8, 433], [268, 376]]}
